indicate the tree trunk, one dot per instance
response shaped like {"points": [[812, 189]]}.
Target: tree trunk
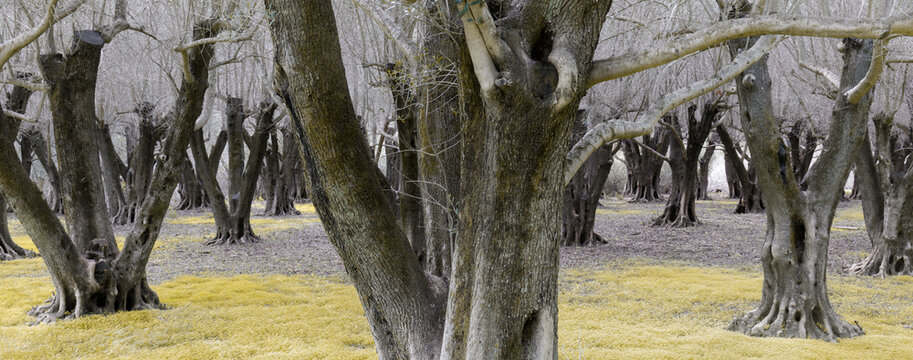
{"points": [[794, 301], [581, 196], [704, 172], [17, 102], [644, 166], [732, 181], [440, 138], [410, 196], [750, 200], [284, 187], [42, 151], [142, 161], [886, 189], [112, 169], [233, 221], [680, 211]]}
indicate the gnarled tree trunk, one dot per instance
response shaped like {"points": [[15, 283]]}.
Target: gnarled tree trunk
{"points": [[704, 170], [794, 300], [17, 102], [581, 196], [644, 165], [886, 189], [750, 200], [680, 211]]}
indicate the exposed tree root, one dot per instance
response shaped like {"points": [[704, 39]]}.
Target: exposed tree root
{"points": [[788, 317], [234, 238], [104, 301], [886, 260], [282, 211]]}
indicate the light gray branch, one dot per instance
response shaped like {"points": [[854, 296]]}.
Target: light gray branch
{"points": [[620, 129]]}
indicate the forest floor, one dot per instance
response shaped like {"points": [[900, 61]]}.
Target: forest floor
{"points": [[649, 293]]}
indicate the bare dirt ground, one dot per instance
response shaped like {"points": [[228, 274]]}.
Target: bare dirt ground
{"points": [[298, 244]]}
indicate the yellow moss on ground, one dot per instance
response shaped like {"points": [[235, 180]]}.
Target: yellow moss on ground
{"points": [[627, 310]]}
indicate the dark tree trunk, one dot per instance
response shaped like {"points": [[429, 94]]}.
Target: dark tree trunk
{"points": [[190, 190], [142, 162], [112, 171], [732, 180], [794, 299], [410, 195], [393, 172], [42, 152], [644, 166], [233, 221], [704, 172], [750, 200], [802, 151], [581, 196], [286, 174], [680, 210], [502, 300], [440, 138], [886, 189], [17, 102]]}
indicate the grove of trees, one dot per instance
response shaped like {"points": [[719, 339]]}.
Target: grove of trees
{"points": [[451, 148]]}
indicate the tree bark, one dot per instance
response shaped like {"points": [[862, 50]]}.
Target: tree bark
{"points": [[644, 166], [886, 189], [142, 161], [704, 172], [680, 211], [112, 170], [17, 102], [233, 221], [750, 200], [285, 176], [794, 300], [410, 196], [41, 150], [581, 196], [403, 305]]}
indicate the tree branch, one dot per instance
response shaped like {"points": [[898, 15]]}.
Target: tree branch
{"points": [[779, 24], [12, 46], [871, 77], [832, 80], [399, 37], [618, 129]]}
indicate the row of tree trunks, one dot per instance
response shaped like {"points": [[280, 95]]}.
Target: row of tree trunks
{"points": [[749, 192], [279, 179], [581, 196], [794, 301], [644, 164], [680, 210], [411, 216], [886, 189]]}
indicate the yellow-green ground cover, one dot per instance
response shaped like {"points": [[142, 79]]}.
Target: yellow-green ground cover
{"points": [[625, 309]]}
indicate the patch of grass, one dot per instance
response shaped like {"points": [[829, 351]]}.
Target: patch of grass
{"points": [[631, 309]]}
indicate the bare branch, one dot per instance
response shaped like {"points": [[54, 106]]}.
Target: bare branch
{"points": [[12, 46], [871, 77], [832, 80], [779, 24], [395, 33], [19, 116], [619, 129], [28, 85]]}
